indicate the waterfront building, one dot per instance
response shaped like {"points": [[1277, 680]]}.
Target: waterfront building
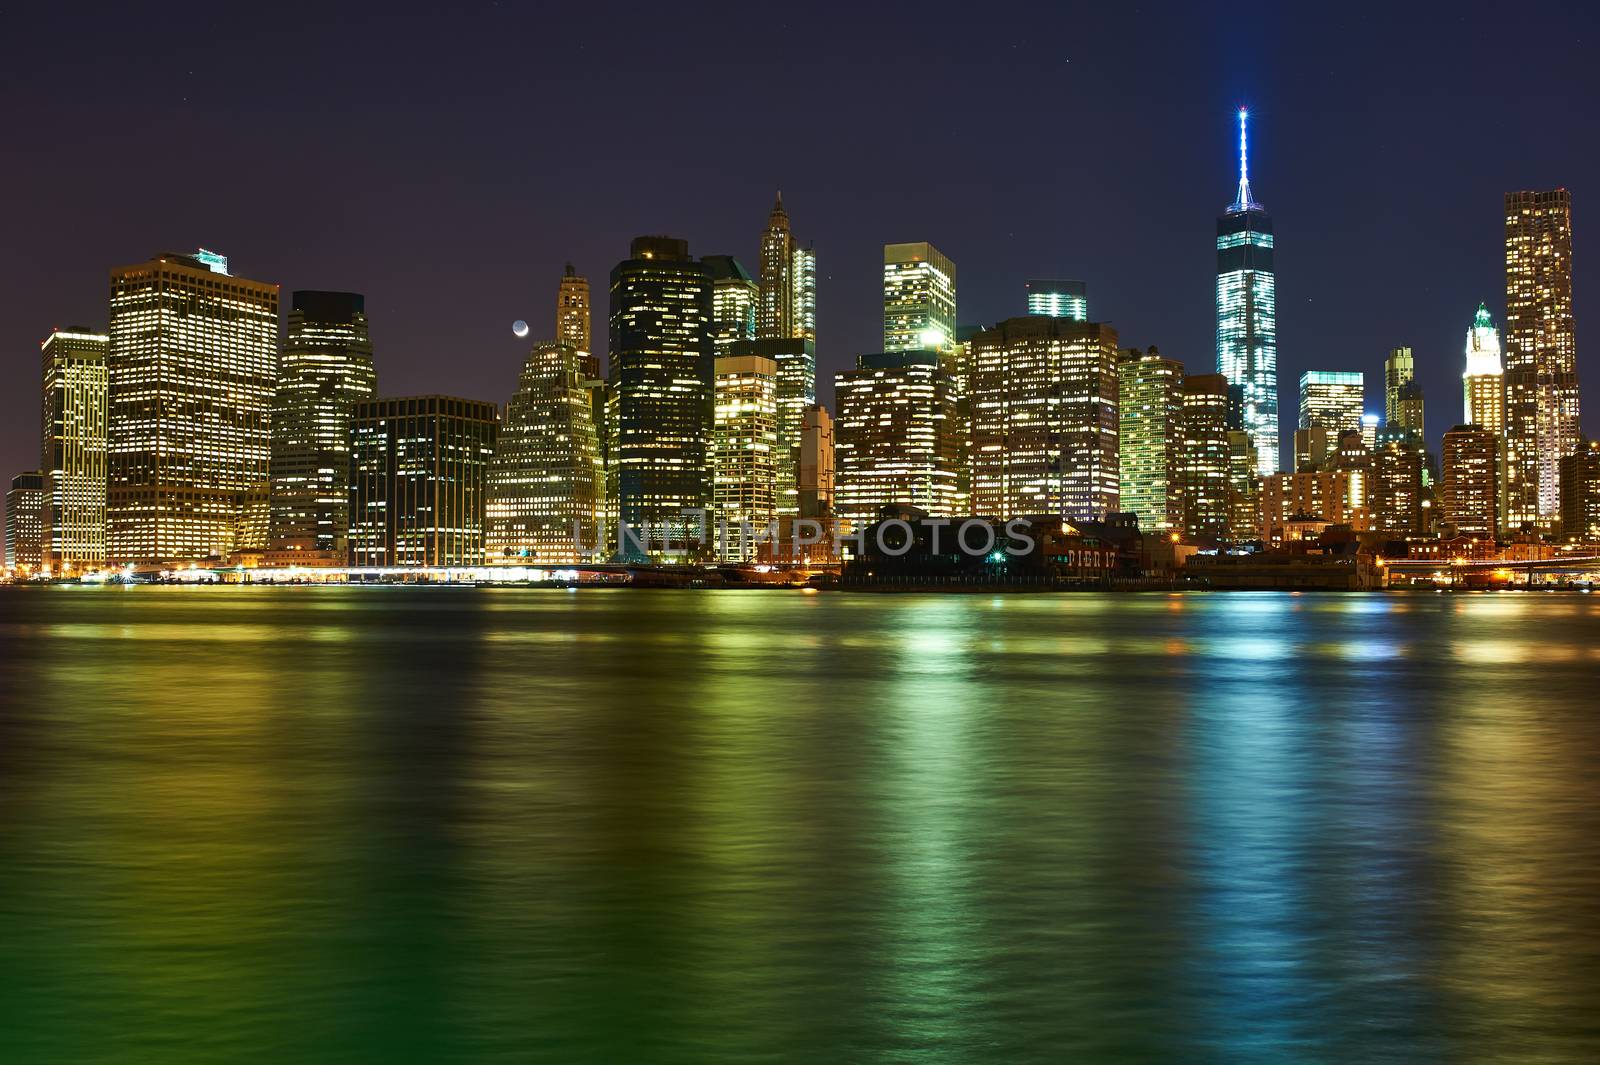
{"points": [[1203, 457], [1247, 318], [1483, 382], [1396, 488], [418, 485], [1469, 496], [72, 454], [1326, 497], [919, 298], [746, 449], [734, 300], [896, 436], [1150, 438], [1541, 375], [1244, 519], [546, 481], [1044, 419], [663, 364], [816, 464], [796, 359], [1580, 493], [574, 318], [25, 522], [326, 369], [192, 358], [1331, 400], [1058, 298]]}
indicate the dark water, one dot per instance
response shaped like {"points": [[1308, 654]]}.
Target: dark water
{"points": [[328, 825]]}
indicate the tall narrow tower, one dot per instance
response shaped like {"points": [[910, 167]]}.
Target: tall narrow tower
{"points": [[1540, 353], [572, 319], [775, 319], [1247, 310]]}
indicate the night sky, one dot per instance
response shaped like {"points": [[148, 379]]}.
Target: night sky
{"points": [[448, 164]]}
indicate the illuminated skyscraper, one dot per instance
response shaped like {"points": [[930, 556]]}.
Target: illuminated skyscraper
{"points": [[1483, 384], [1396, 488], [803, 283], [193, 366], [796, 360], [1580, 493], [776, 319], [663, 364], [1150, 438], [734, 299], [1043, 399], [895, 437], [816, 463], [919, 298], [1399, 369], [1469, 496], [1244, 519], [1331, 400], [573, 318], [746, 449], [1247, 315], [326, 369], [418, 485], [1203, 457], [546, 481], [1055, 298], [1540, 358], [25, 522], [72, 455]]}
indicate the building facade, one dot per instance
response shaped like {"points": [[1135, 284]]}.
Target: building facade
{"points": [[419, 480], [25, 522], [746, 450], [735, 299], [72, 453], [192, 359], [919, 298], [816, 464], [1044, 420], [1150, 438], [663, 365], [1247, 311], [1580, 494], [1331, 400], [574, 317], [796, 360], [1469, 495], [325, 371], [1483, 383], [546, 482], [1541, 375], [896, 437], [1203, 458], [1396, 485]]}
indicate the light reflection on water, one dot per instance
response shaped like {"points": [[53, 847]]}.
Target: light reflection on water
{"points": [[323, 825]]}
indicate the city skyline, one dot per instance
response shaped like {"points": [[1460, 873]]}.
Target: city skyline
{"points": [[1129, 232]]}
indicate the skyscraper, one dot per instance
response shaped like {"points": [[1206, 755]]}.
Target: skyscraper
{"points": [[803, 284], [419, 467], [663, 364], [1483, 382], [1580, 493], [1331, 400], [776, 319], [25, 522], [1469, 496], [1540, 351], [1399, 369], [746, 447], [546, 481], [72, 455], [1247, 314], [1043, 399], [193, 364], [919, 298], [326, 369], [1204, 456], [796, 360], [1396, 485], [1057, 298], [734, 300], [1150, 438], [573, 318], [896, 439], [816, 463]]}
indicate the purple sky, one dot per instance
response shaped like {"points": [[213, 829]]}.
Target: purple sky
{"points": [[447, 165]]}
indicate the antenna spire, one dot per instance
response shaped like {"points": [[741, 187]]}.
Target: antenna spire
{"points": [[1244, 201]]}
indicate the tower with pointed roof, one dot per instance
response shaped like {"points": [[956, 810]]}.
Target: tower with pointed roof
{"points": [[775, 319], [1247, 311]]}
